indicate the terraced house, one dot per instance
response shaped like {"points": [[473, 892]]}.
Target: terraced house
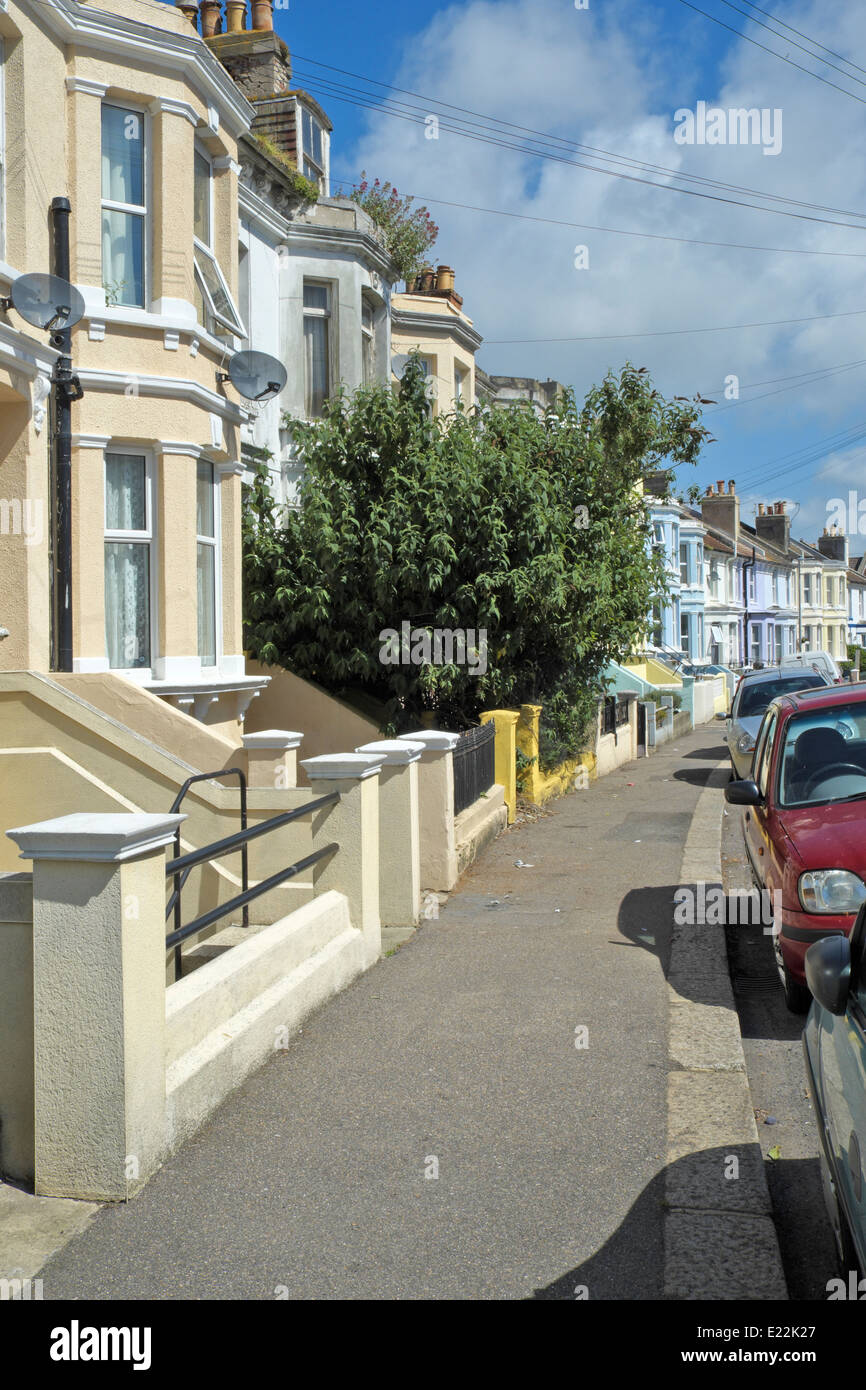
{"points": [[121, 140], [124, 692]]}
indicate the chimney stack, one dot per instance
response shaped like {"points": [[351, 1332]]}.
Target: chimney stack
{"points": [[722, 510], [774, 525], [437, 282], [834, 545]]}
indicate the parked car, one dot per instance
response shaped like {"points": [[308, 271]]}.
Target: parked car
{"points": [[834, 1044], [751, 698], [820, 661], [804, 820]]}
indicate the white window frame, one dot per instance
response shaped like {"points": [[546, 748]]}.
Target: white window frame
{"points": [[460, 375], [328, 313], [144, 212], [368, 343], [213, 541], [147, 537], [320, 174], [233, 325]]}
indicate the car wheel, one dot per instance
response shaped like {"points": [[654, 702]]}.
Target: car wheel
{"points": [[845, 1251], [797, 996]]}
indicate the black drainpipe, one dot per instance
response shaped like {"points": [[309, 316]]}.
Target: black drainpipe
{"points": [[67, 390]]}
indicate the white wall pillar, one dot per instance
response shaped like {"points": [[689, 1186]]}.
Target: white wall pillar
{"points": [[399, 831], [99, 893], [436, 808], [272, 758], [353, 823]]}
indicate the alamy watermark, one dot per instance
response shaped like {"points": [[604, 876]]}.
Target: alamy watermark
{"points": [[848, 515], [440, 646], [712, 125], [22, 517], [708, 905]]}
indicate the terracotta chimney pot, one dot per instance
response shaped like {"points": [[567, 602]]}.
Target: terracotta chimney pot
{"points": [[190, 9], [236, 16], [211, 14], [731, 487], [721, 487], [263, 14], [445, 278]]}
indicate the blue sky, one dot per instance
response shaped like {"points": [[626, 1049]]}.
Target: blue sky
{"points": [[612, 76]]}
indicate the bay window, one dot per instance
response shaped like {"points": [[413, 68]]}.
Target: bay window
{"points": [[124, 206], [216, 309], [317, 347], [128, 560]]}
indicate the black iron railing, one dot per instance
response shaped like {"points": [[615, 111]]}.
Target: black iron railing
{"points": [[608, 714], [614, 713], [182, 865], [474, 765]]}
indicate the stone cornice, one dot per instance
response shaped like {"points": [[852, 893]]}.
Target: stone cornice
{"points": [[310, 237], [173, 388], [410, 322], [115, 36]]}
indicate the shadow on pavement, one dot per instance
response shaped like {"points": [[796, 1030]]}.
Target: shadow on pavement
{"points": [[709, 754], [698, 777], [697, 1184]]}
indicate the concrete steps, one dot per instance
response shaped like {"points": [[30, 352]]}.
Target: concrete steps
{"points": [[228, 1016]]}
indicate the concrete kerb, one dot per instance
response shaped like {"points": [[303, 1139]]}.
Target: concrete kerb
{"points": [[720, 1239]]}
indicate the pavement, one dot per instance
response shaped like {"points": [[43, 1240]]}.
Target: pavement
{"points": [[497, 1110]]}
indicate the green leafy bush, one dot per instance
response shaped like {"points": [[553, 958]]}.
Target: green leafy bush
{"points": [[531, 529]]}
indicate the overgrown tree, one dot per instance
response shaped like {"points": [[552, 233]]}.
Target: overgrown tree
{"points": [[530, 529]]}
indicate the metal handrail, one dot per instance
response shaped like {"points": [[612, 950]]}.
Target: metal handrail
{"points": [[174, 901], [199, 923], [180, 867]]}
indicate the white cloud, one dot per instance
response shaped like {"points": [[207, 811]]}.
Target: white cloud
{"points": [[611, 78]]}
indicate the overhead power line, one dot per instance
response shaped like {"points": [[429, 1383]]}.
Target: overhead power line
{"points": [[772, 51], [623, 231], [418, 116], [675, 332]]}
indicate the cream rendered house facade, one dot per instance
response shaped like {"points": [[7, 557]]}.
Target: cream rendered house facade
{"points": [[429, 320], [122, 109]]}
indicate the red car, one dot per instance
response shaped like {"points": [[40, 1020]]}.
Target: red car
{"points": [[804, 820]]}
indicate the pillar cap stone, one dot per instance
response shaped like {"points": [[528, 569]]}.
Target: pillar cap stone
{"points": [[273, 738], [434, 740], [341, 767], [95, 837], [394, 750]]}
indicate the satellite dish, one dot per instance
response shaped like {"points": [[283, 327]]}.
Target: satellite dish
{"points": [[46, 301], [399, 364], [257, 375]]}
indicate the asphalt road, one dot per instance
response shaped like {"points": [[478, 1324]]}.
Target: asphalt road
{"points": [[777, 1080], [311, 1181]]}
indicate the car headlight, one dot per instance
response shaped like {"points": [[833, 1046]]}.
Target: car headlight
{"points": [[831, 890], [745, 743]]}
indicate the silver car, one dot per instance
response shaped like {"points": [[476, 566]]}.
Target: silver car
{"points": [[749, 706]]}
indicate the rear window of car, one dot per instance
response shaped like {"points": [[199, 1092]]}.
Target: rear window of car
{"points": [[754, 698]]}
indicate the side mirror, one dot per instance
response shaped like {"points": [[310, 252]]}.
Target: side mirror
{"points": [[743, 793], [722, 716], [828, 972]]}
